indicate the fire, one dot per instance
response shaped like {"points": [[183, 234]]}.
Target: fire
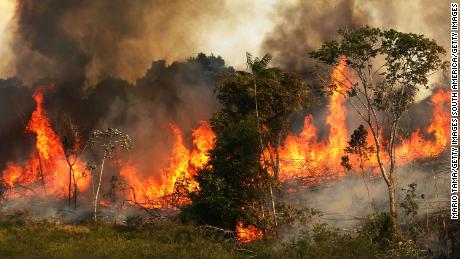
{"points": [[46, 140], [304, 156], [46, 166], [12, 174], [182, 166], [104, 202], [416, 147], [203, 140], [248, 234]]}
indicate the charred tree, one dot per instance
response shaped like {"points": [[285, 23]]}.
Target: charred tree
{"points": [[73, 148]]}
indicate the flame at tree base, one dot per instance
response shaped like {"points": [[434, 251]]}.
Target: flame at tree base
{"points": [[183, 164], [248, 234], [43, 173], [304, 155]]}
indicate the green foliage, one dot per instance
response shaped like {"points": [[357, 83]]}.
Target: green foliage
{"points": [[323, 242], [234, 184], [259, 66], [410, 206], [289, 215], [280, 94], [172, 240], [409, 203], [386, 69], [231, 184], [357, 146], [379, 228], [408, 61], [358, 143]]}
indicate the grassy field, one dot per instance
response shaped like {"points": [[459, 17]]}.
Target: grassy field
{"points": [[40, 239], [46, 240]]}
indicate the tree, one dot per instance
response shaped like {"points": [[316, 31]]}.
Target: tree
{"points": [[359, 147], [273, 96], [109, 140], [389, 67], [232, 187], [71, 143]]}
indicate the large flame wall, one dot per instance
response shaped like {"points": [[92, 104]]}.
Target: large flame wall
{"points": [[45, 172]]}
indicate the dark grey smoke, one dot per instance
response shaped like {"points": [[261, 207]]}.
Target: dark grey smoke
{"points": [[91, 40], [16, 105], [304, 27], [180, 93], [43, 48]]}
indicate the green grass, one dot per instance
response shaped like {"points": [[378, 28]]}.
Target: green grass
{"points": [[46, 240], [27, 239]]}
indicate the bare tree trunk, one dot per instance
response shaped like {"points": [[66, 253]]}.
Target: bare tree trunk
{"points": [[393, 208], [96, 196], [42, 176], [392, 186], [262, 149], [70, 184], [273, 203], [74, 190], [277, 158], [388, 177]]}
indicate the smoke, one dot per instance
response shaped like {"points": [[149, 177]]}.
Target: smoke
{"points": [[301, 27], [304, 25], [96, 39], [180, 93], [92, 40], [350, 200], [16, 105]]}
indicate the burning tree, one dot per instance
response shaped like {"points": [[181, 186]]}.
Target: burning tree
{"points": [[389, 67], [72, 146], [109, 140]]}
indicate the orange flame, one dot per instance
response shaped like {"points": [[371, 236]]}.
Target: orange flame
{"points": [[416, 147], [48, 163], [248, 234], [302, 155], [183, 164], [305, 157]]}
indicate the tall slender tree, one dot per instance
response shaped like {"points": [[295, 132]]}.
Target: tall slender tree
{"points": [[109, 140], [389, 67]]}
